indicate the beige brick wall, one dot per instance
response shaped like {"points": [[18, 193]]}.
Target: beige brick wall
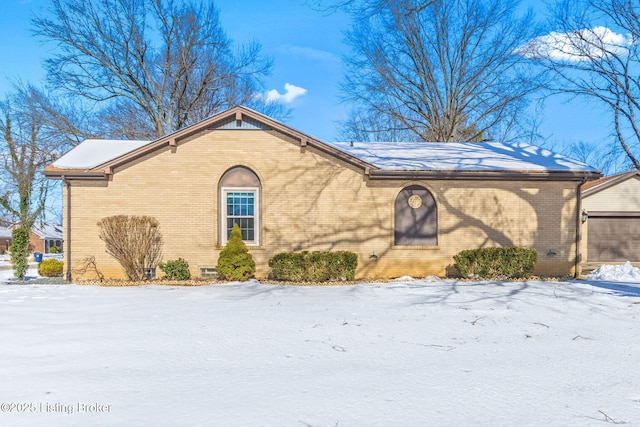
{"points": [[311, 201]]}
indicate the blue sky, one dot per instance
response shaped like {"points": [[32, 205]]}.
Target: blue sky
{"points": [[306, 47]]}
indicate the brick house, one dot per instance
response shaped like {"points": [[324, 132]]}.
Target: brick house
{"points": [[5, 239], [42, 238], [45, 236], [404, 209]]}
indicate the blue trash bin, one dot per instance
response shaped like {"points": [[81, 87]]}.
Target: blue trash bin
{"points": [[37, 256]]}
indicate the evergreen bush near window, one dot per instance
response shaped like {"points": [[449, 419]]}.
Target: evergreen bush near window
{"points": [[50, 268], [235, 261], [318, 266], [177, 269], [54, 250], [493, 263]]}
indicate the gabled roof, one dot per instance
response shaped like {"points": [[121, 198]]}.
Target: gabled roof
{"points": [[69, 168], [593, 187], [96, 159]]}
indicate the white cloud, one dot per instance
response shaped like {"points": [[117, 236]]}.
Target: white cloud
{"points": [[291, 93], [578, 45], [309, 53]]}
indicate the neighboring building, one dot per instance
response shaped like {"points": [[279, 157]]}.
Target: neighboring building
{"points": [[403, 208], [43, 237], [5, 240], [612, 230]]}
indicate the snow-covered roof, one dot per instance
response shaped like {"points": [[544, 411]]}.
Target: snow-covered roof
{"points": [[462, 156], [382, 160], [48, 231], [93, 152], [5, 233]]}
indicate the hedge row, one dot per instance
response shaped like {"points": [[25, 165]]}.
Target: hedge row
{"points": [[318, 266], [490, 263]]}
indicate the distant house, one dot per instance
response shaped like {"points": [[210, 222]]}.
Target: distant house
{"points": [[44, 237], [612, 230], [403, 208], [5, 240]]}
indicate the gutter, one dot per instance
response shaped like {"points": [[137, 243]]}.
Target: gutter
{"points": [[578, 259], [67, 231], [67, 175]]}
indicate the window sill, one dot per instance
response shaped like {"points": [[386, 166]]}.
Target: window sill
{"points": [[249, 247], [412, 248]]}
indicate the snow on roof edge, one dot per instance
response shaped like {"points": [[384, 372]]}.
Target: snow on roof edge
{"points": [[460, 156], [93, 152]]}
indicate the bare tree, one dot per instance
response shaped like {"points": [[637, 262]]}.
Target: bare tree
{"points": [[606, 159], [152, 66], [26, 147], [445, 70], [594, 53]]}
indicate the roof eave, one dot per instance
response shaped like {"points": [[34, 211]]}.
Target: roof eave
{"points": [[610, 183], [77, 174], [485, 175]]}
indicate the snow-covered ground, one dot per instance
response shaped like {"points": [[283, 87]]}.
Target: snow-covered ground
{"points": [[405, 353]]}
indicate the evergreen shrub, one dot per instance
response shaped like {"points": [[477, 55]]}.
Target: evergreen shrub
{"points": [[318, 266], [235, 262], [20, 251], [492, 263], [177, 269], [50, 268]]}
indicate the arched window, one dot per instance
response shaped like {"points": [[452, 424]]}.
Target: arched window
{"points": [[239, 190], [416, 217]]}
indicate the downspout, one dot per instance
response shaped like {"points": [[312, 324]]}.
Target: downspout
{"points": [[67, 230], [578, 227]]}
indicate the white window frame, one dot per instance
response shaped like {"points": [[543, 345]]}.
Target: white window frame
{"points": [[256, 214]]}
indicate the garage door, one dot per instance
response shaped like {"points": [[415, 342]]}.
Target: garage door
{"points": [[613, 238]]}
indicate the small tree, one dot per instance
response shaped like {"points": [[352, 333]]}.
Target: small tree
{"points": [[235, 261], [135, 241], [20, 251]]}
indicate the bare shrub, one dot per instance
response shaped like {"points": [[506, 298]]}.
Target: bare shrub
{"points": [[88, 266], [135, 241]]}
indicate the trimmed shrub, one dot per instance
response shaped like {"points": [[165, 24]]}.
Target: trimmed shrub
{"points": [[135, 241], [318, 266], [54, 250], [177, 269], [20, 251], [235, 262], [50, 268], [491, 263]]}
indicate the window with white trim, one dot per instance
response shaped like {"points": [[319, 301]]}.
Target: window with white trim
{"points": [[240, 204]]}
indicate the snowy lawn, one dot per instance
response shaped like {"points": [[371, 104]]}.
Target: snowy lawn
{"points": [[407, 353]]}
